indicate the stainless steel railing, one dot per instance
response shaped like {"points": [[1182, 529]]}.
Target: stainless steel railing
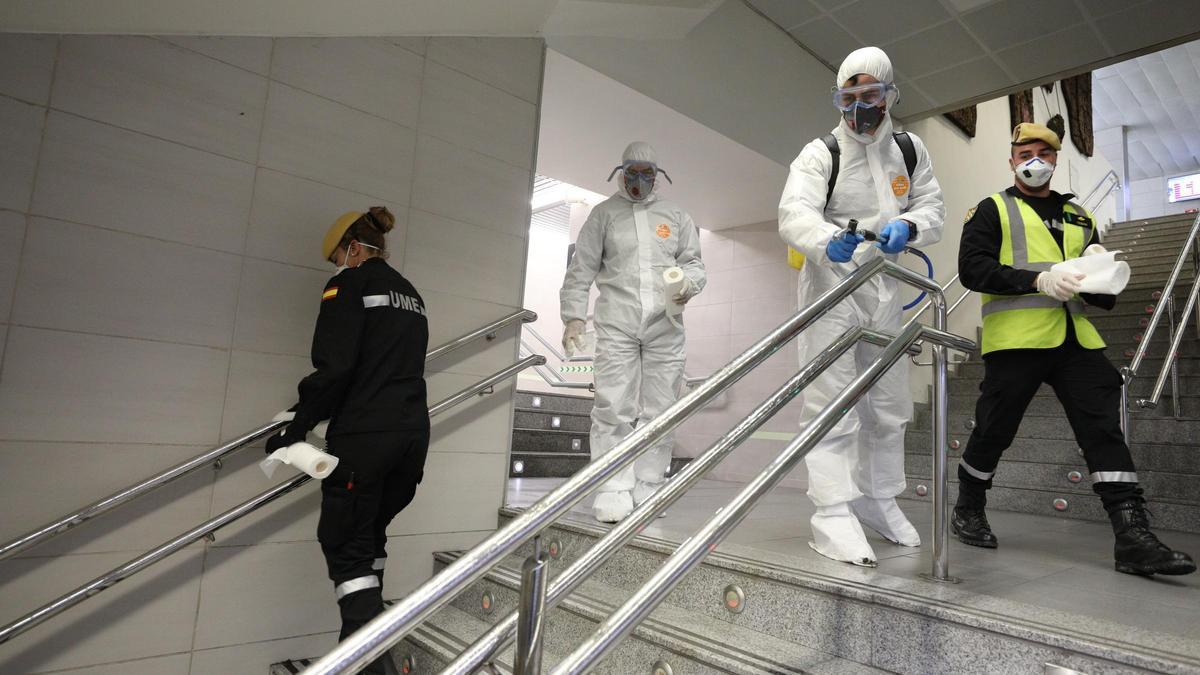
{"points": [[118, 574], [146, 485], [485, 649], [553, 349], [1165, 305], [553, 378], [699, 545], [929, 303], [373, 639]]}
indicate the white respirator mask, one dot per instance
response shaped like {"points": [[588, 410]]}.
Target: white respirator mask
{"points": [[1035, 173]]}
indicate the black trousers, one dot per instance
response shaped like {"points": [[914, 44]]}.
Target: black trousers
{"points": [[1089, 388], [376, 477]]}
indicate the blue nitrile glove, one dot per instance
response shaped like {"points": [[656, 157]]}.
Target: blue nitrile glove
{"points": [[893, 237], [841, 248]]}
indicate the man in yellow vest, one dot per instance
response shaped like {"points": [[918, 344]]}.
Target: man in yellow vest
{"points": [[1035, 330]]}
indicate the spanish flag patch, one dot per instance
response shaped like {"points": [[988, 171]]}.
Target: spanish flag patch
{"points": [[329, 294]]}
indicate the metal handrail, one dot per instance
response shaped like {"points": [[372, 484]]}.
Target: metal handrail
{"points": [[693, 551], [146, 485], [552, 378], [385, 630], [915, 317], [118, 574], [484, 649], [1114, 185], [1190, 246], [573, 358]]}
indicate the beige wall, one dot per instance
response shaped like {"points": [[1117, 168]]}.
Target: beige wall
{"points": [[161, 204]]}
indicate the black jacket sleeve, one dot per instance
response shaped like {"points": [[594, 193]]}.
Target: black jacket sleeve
{"points": [[1105, 302], [979, 267], [334, 352]]}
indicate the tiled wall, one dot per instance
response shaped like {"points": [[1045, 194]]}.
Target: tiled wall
{"points": [[161, 206], [1148, 199]]}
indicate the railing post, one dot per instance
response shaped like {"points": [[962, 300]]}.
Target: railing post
{"points": [[1175, 403], [940, 410], [1196, 279], [531, 616], [1126, 376]]}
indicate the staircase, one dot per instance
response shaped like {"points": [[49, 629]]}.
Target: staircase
{"points": [[1044, 471]]}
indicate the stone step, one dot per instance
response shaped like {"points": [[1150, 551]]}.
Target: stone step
{"points": [[896, 623], [554, 402], [688, 642], [1146, 239], [562, 464], [1045, 404], [1175, 459], [533, 418], [1189, 385], [1080, 505], [550, 440]]}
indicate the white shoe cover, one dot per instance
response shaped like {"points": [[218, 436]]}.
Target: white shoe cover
{"points": [[885, 517], [643, 491], [611, 507], [838, 536]]}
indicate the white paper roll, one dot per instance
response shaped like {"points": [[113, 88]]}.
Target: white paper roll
{"points": [[302, 456], [1103, 272], [673, 282]]}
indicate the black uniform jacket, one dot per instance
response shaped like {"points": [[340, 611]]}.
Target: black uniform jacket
{"points": [[979, 266], [369, 353]]}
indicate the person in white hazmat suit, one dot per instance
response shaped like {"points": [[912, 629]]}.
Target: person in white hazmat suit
{"points": [[624, 247], [856, 471]]}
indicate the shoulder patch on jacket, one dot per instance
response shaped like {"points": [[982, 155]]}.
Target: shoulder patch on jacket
{"points": [[970, 214], [329, 294]]}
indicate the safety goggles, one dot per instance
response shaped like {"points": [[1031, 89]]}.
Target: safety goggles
{"points": [[643, 171], [861, 95]]}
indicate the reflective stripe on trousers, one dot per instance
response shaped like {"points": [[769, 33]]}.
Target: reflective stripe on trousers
{"points": [[355, 585], [1114, 477]]}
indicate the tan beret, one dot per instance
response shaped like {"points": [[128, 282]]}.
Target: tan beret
{"points": [[1028, 132]]}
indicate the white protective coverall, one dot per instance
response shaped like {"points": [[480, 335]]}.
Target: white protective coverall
{"points": [[624, 247], [864, 453]]}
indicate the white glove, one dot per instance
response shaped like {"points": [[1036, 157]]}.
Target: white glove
{"points": [[686, 293], [1094, 249], [572, 340], [285, 416], [1061, 286]]}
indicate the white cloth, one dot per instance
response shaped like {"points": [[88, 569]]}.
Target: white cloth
{"points": [[624, 248], [864, 452], [1103, 272]]}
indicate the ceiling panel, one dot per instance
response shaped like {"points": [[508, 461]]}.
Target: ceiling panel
{"points": [[787, 13], [882, 21], [911, 98], [1009, 22], [1149, 24], [1054, 53], [932, 50], [978, 76], [827, 39]]}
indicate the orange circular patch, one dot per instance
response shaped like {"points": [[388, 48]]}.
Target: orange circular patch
{"points": [[900, 185], [664, 231]]}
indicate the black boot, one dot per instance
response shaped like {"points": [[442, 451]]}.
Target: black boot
{"points": [[972, 528], [1137, 550]]}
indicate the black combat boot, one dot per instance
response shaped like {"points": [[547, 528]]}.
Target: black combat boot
{"points": [[1137, 550], [971, 526]]}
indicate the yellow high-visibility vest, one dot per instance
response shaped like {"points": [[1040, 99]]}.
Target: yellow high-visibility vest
{"points": [[1036, 320]]}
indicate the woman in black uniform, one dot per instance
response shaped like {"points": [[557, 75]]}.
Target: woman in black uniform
{"points": [[369, 353]]}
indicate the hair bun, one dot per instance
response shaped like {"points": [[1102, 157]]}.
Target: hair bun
{"points": [[381, 218]]}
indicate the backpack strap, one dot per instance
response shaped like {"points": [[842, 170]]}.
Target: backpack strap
{"points": [[832, 143], [908, 150]]}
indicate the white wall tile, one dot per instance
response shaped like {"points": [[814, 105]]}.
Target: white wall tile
{"points": [[467, 186], [775, 281], [758, 316], [278, 308], [97, 174], [707, 320], [758, 247], [260, 385], [91, 471], [285, 585], [176, 664], [291, 518], [512, 64], [257, 657], [454, 257], [20, 137], [718, 288], [251, 53], [28, 66], [410, 558], [150, 86], [316, 138], [474, 115], [481, 424], [12, 233], [460, 491], [150, 615], [716, 249], [178, 294], [375, 75], [290, 216], [69, 386]]}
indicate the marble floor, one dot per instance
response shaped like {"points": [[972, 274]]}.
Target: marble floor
{"points": [[1060, 565]]}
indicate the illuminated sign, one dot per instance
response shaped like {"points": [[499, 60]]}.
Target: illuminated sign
{"points": [[1183, 188]]}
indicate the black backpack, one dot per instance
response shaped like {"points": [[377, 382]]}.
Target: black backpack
{"points": [[902, 139]]}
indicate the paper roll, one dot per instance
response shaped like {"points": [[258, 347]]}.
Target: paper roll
{"points": [[302, 456], [674, 281], [1103, 272]]}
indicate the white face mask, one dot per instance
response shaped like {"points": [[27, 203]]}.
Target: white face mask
{"points": [[1035, 173], [338, 269]]}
